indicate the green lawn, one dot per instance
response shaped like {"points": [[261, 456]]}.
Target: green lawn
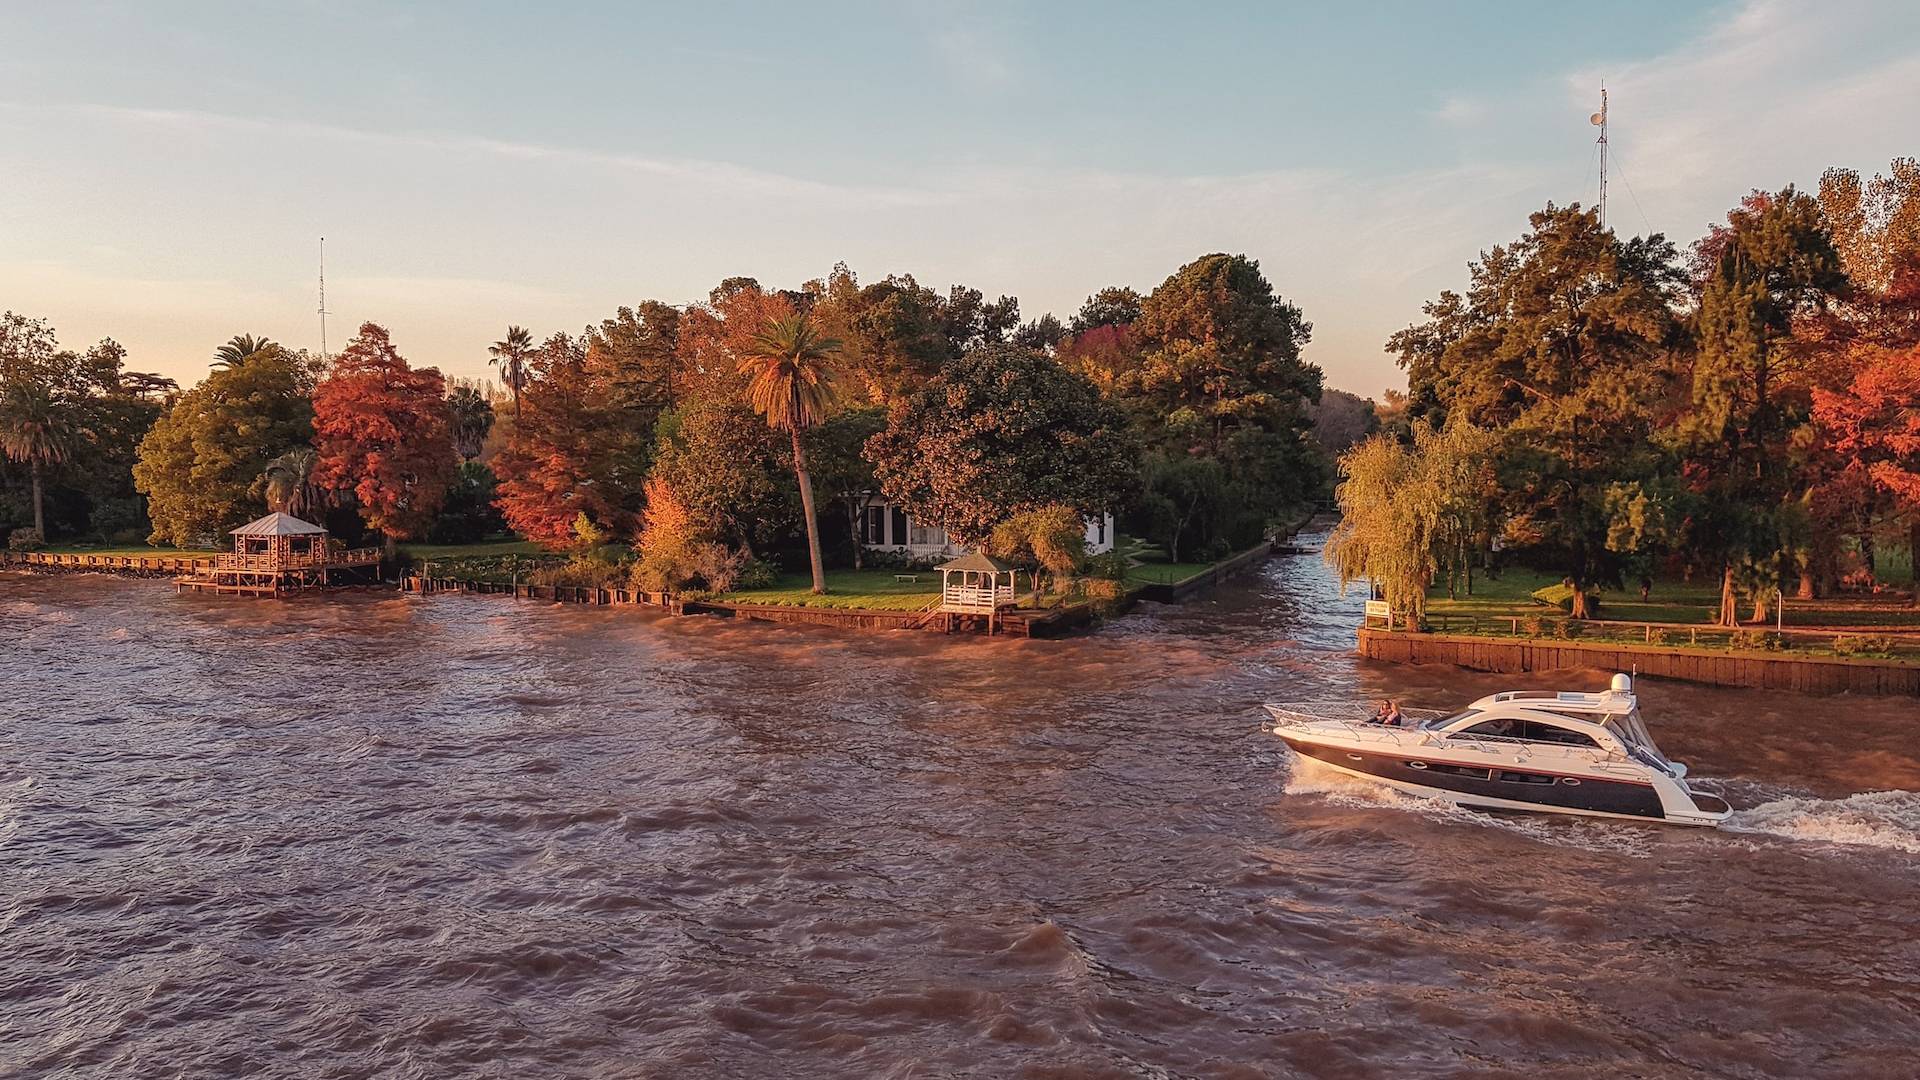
{"points": [[1165, 573], [872, 589], [462, 551], [136, 551], [1695, 602]]}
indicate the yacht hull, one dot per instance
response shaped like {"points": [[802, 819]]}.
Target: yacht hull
{"points": [[1492, 787]]}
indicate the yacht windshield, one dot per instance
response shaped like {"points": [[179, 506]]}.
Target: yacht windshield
{"points": [[1446, 721], [1632, 733]]}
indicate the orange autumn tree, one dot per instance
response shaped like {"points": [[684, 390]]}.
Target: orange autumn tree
{"points": [[383, 431], [570, 452], [1874, 424]]}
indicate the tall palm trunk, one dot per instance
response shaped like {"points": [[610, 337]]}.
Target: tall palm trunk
{"points": [[39, 510], [806, 509]]}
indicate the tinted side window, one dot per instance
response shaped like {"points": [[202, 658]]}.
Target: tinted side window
{"points": [[1506, 729], [1549, 733]]}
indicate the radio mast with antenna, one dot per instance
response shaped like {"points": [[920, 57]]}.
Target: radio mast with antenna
{"points": [[1599, 120], [323, 298]]}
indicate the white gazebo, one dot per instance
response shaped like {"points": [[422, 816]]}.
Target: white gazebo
{"points": [[976, 584]]}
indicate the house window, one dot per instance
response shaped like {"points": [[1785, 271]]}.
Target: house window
{"points": [[1100, 537], [899, 531], [876, 525], [927, 536]]}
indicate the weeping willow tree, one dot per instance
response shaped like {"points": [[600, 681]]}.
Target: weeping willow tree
{"points": [[1407, 511]]}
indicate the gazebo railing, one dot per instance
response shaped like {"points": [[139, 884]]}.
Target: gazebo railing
{"points": [[976, 597]]}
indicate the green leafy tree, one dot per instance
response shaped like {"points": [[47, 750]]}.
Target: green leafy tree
{"points": [[793, 375], [1115, 305], [199, 464], [1223, 354], [1048, 539], [836, 454], [1221, 375], [1184, 503], [36, 429], [1405, 509], [727, 470], [1562, 341], [288, 486], [472, 417], [1000, 431], [1749, 421]]}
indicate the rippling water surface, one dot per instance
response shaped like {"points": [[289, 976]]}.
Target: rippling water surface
{"points": [[368, 835]]}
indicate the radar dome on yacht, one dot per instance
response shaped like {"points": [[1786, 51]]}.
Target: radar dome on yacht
{"points": [[1623, 683]]}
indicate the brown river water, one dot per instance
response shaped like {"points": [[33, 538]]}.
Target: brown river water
{"points": [[373, 835]]}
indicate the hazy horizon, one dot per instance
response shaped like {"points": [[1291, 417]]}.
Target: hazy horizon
{"points": [[169, 172]]}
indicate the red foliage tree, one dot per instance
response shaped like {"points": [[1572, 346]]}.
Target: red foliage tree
{"points": [[1873, 424], [568, 454], [383, 431]]}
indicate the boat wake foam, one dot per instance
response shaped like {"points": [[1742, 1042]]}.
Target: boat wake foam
{"points": [[1306, 776], [1879, 819]]}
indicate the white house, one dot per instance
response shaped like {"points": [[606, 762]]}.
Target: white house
{"points": [[886, 527]]}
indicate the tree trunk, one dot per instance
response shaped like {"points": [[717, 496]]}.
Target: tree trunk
{"points": [[1579, 605], [39, 508], [392, 545], [1760, 609], [1808, 590], [806, 509], [1729, 603], [856, 513]]}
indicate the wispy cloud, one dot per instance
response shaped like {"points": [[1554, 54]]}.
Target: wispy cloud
{"points": [[709, 174]]}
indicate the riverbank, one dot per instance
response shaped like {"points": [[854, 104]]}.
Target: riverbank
{"points": [[1719, 667]]}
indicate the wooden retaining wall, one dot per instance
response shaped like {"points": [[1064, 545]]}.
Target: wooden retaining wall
{"points": [[1758, 670], [129, 565], [1050, 624], [1180, 590]]}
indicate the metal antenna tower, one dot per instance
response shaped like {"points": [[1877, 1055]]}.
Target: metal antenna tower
{"points": [[1599, 120], [323, 298]]}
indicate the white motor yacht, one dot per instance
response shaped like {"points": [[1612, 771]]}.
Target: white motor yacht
{"points": [[1555, 751]]}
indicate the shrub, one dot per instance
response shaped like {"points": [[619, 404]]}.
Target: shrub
{"points": [[1568, 629], [1100, 588], [1111, 566], [757, 574], [26, 540], [1533, 626], [596, 570], [1662, 637], [1862, 645], [1757, 639], [718, 566]]}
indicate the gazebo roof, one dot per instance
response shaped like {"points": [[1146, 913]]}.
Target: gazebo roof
{"points": [[278, 524], [974, 560]]}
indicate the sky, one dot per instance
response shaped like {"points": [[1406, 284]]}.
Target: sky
{"points": [[167, 169]]}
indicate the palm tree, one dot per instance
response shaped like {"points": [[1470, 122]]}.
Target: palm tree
{"points": [[35, 429], [511, 355], [287, 483], [793, 374], [238, 349], [472, 419]]}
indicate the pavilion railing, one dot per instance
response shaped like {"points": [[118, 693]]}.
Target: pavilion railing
{"points": [[976, 597]]}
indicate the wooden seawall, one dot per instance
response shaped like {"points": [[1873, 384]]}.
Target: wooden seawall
{"points": [[1759, 670], [1051, 623], [130, 565]]}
